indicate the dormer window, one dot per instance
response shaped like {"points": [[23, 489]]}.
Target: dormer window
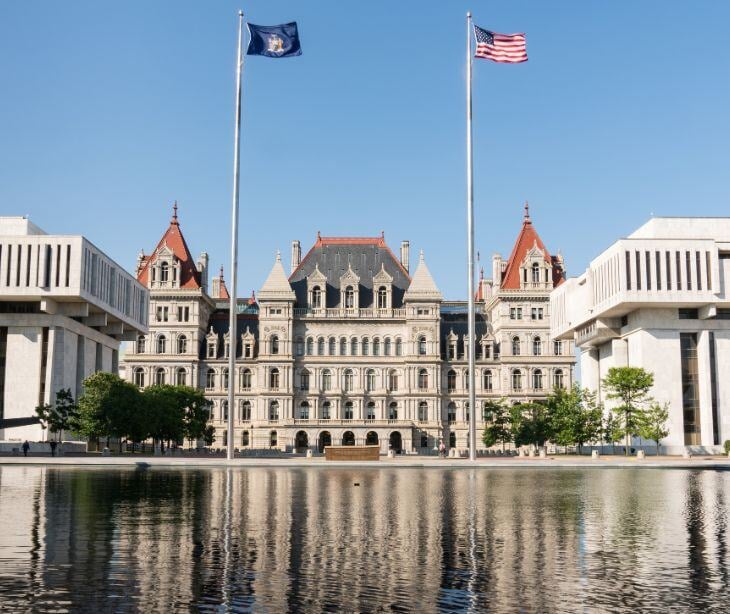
{"points": [[164, 272], [316, 297], [382, 297], [349, 297], [535, 273], [349, 290], [383, 289]]}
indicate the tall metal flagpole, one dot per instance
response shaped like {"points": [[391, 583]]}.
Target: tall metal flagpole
{"points": [[470, 245], [232, 339]]}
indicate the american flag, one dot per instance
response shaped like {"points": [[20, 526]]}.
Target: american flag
{"points": [[507, 48]]}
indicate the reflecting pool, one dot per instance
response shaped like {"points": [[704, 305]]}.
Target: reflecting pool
{"points": [[364, 540]]}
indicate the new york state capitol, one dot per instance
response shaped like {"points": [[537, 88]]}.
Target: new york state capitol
{"points": [[351, 347]]}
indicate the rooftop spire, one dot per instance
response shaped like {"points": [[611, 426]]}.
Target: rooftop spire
{"points": [[174, 213], [221, 271], [527, 211]]}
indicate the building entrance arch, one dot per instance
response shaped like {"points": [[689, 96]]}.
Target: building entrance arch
{"points": [[371, 439], [396, 442], [348, 438], [301, 441], [325, 439]]}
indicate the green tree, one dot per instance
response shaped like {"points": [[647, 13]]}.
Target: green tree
{"points": [[653, 423], [530, 424], [209, 435], [497, 424], [165, 410], [106, 406], [611, 430], [62, 415], [630, 386], [575, 419]]}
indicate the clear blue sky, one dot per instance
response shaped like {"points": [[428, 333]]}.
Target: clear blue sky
{"points": [[111, 110]]}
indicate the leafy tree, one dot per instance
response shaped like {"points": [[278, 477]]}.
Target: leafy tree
{"points": [[165, 413], [106, 405], [610, 430], [497, 424], [530, 424], [575, 419], [62, 415], [653, 423], [629, 385], [209, 435]]}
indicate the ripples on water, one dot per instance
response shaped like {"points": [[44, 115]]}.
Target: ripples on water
{"points": [[275, 540]]}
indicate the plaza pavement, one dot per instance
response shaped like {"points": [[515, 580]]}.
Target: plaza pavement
{"points": [[183, 462]]}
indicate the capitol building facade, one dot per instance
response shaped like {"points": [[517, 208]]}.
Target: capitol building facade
{"points": [[350, 347]]}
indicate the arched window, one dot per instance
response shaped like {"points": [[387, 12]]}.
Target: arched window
{"points": [[326, 380], [370, 411], [393, 411], [304, 380], [320, 346], [140, 344], [365, 346], [353, 347], [515, 346], [274, 410], [273, 441], [181, 377], [536, 346], [274, 344], [487, 379], [246, 411], [182, 344], [376, 347], [393, 380], [348, 411], [326, 410], [451, 380], [343, 347], [316, 297], [558, 348], [300, 346], [537, 379], [422, 346], [310, 346], [516, 379], [466, 379], [333, 346], [224, 379], [370, 380], [423, 379], [210, 378], [224, 410], [349, 297], [422, 411], [348, 382], [466, 411], [164, 271], [139, 377], [487, 413], [304, 411], [398, 347], [535, 273], [161, 344], [382, 297], [159, 376], [558, 378], [451, 413], [244, 439], [274, 379], [246, 379], [386, 348]]}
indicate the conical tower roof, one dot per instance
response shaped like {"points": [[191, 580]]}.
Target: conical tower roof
{"points": [[276, 287], [423, 287]]}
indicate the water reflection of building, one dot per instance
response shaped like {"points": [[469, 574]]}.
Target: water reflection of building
{"points": [[351, 347]]}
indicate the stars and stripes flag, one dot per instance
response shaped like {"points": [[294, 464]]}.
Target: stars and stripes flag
{"points": [[506, 48]]}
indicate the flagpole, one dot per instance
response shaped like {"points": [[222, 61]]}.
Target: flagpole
{"points": [[470, 245], [232, 333]]}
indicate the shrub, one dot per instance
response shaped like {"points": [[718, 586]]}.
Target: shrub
{"points": [[727, 446]]}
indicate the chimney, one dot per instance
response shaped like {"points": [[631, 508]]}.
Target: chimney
{"points": [[405, 251], [215, 286], [296, 254], [202, 266], [496, 271], [140, 260]]}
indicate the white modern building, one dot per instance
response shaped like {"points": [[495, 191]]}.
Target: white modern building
{"points": [[659, 299], [64, 309]]}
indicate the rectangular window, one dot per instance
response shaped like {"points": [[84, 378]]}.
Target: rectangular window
{"points": [[658, 257], [689, 270], [708, 264], [44, 366], [690, 388], [678, 262], [648, 270], [688, 314], [58, 266], [638, 270], [669, 271], [628, 270], [713, 391], [699, 270]]}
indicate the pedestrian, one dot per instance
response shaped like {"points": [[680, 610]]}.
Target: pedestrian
{"points": [[26, 447], [442, 449], [53, 443]]}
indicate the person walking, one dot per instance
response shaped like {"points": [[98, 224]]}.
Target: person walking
{"points": [[26, 447], [53, 443]]}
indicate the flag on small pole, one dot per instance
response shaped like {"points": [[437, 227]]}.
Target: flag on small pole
{"points": [[507, 49]]}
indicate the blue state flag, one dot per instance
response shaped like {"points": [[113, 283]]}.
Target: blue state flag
{"points": [[274, 41]]}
